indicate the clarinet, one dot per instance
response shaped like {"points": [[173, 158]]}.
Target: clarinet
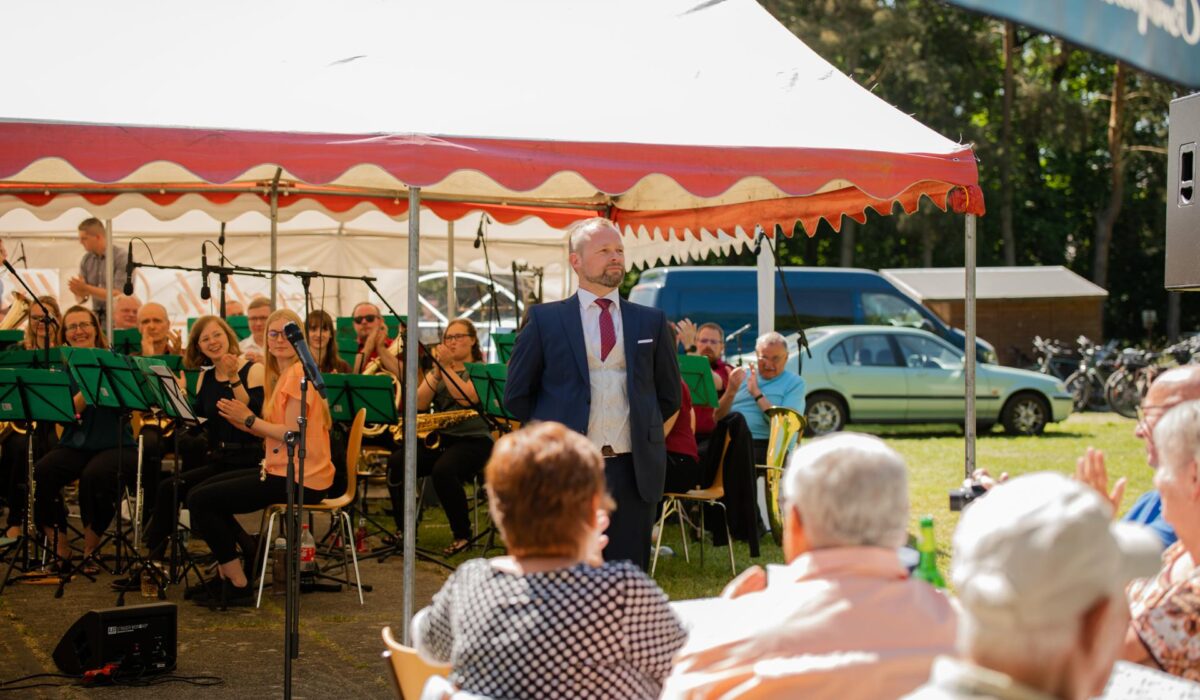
{"points": [[30, 488], [137, 500]]}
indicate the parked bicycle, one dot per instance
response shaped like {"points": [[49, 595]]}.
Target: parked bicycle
{"points": [[1054, 358], [1087, 384]]}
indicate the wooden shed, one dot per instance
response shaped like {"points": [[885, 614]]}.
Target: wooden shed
{"points": [[1014, 304]]}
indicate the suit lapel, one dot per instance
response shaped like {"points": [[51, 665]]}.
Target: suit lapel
{"points": [[629, 330], [573, 326]]}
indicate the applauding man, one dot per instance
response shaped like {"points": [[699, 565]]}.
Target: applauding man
{"points": [[752, 390]]}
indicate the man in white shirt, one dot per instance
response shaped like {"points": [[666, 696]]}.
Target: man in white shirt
{"points": [[256, 316]]}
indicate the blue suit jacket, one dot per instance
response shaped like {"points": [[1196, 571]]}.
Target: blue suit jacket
{"points": [[548, 379]]}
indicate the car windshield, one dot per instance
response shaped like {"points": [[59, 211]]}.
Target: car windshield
{"points": [[890, 310]]}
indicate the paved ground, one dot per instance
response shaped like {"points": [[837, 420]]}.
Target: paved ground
{"points": [[339, 648]]}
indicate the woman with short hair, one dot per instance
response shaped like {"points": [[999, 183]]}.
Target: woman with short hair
{"points": [[551, 619]]}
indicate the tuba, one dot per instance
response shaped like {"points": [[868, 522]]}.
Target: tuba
{"points": [[18, 311], [376, 367], [786, 427]]}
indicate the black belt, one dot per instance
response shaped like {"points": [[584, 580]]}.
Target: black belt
{"points": [[609, 453]]}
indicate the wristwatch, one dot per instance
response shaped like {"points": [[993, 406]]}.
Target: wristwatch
{"points": [[756, 398], [249, 422], [234, 385]]}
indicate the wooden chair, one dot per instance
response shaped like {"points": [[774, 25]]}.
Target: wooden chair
{"points": [[410, 673], [335, 507], [673, 503]]}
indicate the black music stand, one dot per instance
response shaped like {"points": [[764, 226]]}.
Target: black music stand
{"points": [[32, 396], [697, 374], [489, 381], [110, 380]]}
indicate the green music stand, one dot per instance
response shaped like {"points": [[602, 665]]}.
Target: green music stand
{"points": [[489, 383], [504, 345], [32, 359], [127, 341], [174, 362], [107, 379], [697, 374], [11, 337], [159, 384], [191, 380], [350, 392]]}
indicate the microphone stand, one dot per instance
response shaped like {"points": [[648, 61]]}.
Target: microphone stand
{"points": [[223, 277]]}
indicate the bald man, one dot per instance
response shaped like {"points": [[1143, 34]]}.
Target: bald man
{"points": [[125, 312], [157, 336], [1172, 388]]}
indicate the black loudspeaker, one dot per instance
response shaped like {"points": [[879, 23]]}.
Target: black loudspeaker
{"points": [[141, 638], [1183, 211]]}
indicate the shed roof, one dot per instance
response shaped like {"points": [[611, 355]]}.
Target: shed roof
{"points": [[1033, 282]]}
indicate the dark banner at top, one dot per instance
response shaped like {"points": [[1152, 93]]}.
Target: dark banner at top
{"points": [[1161, 37]]}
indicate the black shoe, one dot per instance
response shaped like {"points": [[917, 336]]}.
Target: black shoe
{"points": [[227, 596], [132, 583], [207, 588]]}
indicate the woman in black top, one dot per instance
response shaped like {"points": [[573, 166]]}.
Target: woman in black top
{"points": [[88, 451], [14, 452], [463, 448], [211, 345]]}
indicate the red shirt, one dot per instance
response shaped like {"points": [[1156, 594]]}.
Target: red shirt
{"points": [[705, 422], [681, 439]]}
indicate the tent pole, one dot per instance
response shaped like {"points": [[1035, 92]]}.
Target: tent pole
{"points": [[275, 236], [766, 284], [969, 344], [108, 279], [451, 292], [412, 337]]}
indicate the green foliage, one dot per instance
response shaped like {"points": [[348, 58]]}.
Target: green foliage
{"points": [[945, 66]]}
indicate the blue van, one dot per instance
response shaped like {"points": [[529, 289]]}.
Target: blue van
{"points": [[824, 296]]}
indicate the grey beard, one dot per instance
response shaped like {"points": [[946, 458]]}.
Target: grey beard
{"points": [[613, 280]]}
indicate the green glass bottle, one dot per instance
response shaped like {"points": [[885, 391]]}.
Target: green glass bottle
{"points": [[927, 570]]}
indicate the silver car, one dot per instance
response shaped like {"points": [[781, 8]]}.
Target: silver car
{"points": [[887, 374]]}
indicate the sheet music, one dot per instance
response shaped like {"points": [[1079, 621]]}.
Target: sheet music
{"points": [[178, 401], [1129, 681]]}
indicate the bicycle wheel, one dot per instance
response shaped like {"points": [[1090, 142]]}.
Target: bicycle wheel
{"points": [[1122, 393], [1080, 387]]}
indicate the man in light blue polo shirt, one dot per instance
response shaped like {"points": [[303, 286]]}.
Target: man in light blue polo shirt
{"points": [[754, 390]]}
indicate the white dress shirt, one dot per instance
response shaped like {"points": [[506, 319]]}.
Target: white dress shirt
{"points": [[608, 419], [247, 344]]}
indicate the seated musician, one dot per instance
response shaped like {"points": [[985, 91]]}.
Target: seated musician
{"points": [[463, 448], [157, 336], [214, 503], [157, 339], [767, 385], [14, 449], [211, 346], [373, 339], [126, 316], [322, 340], [87, 451], [252, 346], [683, 459], [708, 341]]}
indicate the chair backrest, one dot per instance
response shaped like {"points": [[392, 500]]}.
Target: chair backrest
{"points": [[409, 671], [353, 452], [718, 483]]}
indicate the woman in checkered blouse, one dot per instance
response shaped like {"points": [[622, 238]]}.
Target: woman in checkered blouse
{"points": [[551, 619]]}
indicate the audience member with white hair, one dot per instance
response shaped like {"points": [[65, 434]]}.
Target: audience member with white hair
{"points": [[1166, 609], [760, 386], [842, 619], [1039, 568]]}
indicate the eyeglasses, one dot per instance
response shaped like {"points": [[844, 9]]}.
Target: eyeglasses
{"points": [[365, 318], [454, 336], [276, 335], [82, 325], [1143, 410]]}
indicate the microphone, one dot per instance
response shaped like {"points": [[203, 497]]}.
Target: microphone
{"points": [[759, 235], [479, 233], [128, 290], [205, 292], [22, 258], [292, 332]]}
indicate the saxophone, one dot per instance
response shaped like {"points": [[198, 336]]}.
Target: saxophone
{"points": [[428, 425]]}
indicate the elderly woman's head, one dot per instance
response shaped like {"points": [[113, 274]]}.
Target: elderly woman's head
{"points": [[1177, 444], [545, 483], [844, 490]]}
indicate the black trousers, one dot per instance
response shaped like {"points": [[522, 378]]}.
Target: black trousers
{"points": [[214, 503], [456, 461], [683, 474], [14, 459], [632, 522], [220, 461], [97, 472]]}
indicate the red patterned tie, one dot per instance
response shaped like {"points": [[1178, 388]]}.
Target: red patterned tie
{"points": [[608, 333]]}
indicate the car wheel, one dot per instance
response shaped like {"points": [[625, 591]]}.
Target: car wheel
{"points": [[1025, 414], [825, 413]]}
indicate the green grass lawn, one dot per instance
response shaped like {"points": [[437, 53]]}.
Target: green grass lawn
{"points": [[935, 456]]}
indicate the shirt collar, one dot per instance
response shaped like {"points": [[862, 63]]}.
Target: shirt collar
{"points": [[835, 562], [586, 298], [958, 677]]}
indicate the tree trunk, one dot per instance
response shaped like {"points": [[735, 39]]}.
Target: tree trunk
{"points": [[1107, 218], [849, 229], [928, 238], [1006, 187]]}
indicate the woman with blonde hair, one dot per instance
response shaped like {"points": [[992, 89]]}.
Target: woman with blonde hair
{"points": [[214, 503], [551, 619], [40, 334]]}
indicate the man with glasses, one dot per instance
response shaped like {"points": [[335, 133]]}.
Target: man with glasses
{"points": [[1172, 388], [707, 341], [766, 386], [253, 345], [373, 340]]}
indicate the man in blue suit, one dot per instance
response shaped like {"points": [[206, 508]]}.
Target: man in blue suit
{"points": [[606, 368]]}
